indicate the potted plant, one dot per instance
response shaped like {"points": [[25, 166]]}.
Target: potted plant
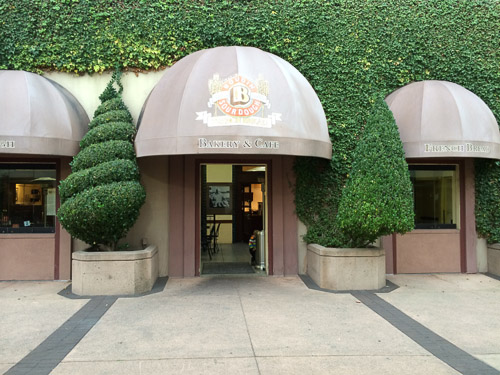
{"points": [[377, 200], [100, 201]]}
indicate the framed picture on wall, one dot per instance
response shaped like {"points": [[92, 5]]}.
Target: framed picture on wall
{"points": [[219, 198]]}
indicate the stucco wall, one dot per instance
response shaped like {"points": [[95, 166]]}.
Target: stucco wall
{"points": [[152, 224], [87, 88], [64, 270], [471, 260], [301, 247], [27, 256], [482, 255], [422, 251]]}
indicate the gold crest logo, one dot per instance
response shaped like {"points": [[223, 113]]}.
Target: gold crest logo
{"points": [[237, 100]]}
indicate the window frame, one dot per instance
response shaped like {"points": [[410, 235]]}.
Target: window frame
{"points": [[456, 191], [33, 164]]}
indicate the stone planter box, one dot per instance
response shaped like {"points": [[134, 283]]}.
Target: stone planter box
{"points": [[346, 269], [114, 272], [494, 259]]}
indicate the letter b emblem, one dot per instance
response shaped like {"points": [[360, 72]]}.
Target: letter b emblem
{"points": [[239, 95]]}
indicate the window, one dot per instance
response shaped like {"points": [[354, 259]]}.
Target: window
{"points": [[27, 198], [436, 196]]}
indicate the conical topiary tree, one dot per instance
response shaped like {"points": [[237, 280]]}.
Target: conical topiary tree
{"points": [[378, 197], [101, 198]]}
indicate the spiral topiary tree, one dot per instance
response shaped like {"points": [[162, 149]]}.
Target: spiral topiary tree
{"points": [[378, 197], [101, 198]]}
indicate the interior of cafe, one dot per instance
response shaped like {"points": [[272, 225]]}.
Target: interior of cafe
{"points": [[233, 217]]}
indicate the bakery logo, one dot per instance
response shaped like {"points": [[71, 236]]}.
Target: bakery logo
{"points": [[238, 101]]}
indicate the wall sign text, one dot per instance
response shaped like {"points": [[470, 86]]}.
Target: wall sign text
{"points": [[258, 143], [7, 144], [467, 147]]}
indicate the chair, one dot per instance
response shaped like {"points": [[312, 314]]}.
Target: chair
{"points": [[205, 246], [206, 241], [213, 246]]}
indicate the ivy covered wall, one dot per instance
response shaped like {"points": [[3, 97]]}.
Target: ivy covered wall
{"points": [[352, 51]]}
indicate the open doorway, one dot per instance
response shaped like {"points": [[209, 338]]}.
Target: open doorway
{"points": [[233, 219]]}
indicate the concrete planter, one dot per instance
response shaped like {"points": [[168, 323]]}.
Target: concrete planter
{"points": [[494, 259], [346, 269], [114, 272]]}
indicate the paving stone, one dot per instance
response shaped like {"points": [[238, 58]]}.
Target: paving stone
{"points": [[442, 349]]}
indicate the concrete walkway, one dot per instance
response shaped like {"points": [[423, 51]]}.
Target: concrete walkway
{"points": [[255, 325]]}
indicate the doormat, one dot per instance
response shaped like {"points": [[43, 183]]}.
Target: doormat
{"points": [[228, 268]]}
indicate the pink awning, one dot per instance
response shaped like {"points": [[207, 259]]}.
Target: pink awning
{"points": [[233, 100], [443, 119], [38, 116]]}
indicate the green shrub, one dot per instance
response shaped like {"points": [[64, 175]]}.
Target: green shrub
{"points": [[378, 197], [316, 202], [117, 115], [111, 171], [122, 131], [488, 199], [102, 152], [113, 104], [103, 214], [101, 198]]}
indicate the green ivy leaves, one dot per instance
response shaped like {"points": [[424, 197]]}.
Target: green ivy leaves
{"points": [[488, 199]]}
